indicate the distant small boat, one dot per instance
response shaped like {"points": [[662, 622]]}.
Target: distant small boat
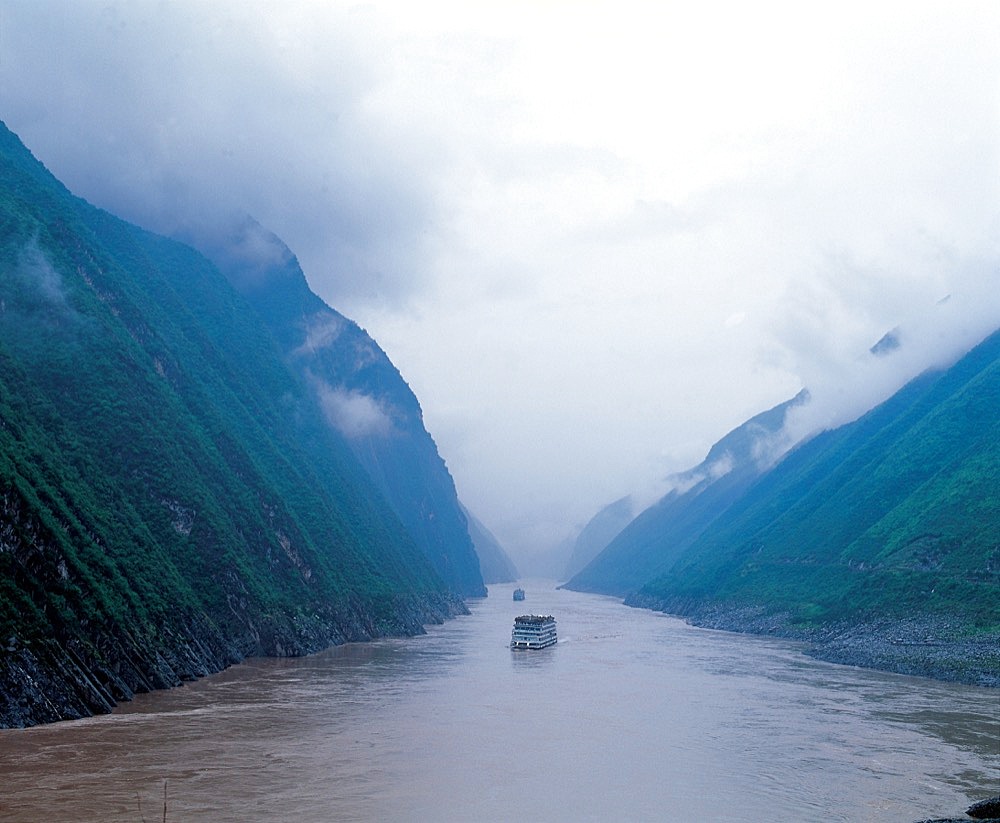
{"points": [[533, 631], [519, 594]]}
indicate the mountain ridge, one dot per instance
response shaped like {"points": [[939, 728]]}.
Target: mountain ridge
{"points": [[173, 497], [362, 395], [890, 522], [653, 539], [496, 565]]}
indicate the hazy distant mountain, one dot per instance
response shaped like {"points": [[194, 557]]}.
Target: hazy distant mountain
{"points": [[494, 563], [676, 518], [548, 563], [893, 519], [363, 397], [173, 496], [600, 530], [651, 542]]}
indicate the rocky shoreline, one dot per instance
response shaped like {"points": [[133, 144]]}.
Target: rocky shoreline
{"points": [[923, 646], [44, 680]]}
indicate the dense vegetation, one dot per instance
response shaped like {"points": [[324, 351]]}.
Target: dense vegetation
{"points": [[896, 514], [652, 541], [363, 396], [173, 495], [878, 541]]}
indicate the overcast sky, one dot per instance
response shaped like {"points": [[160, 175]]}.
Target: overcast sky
{"points": [[594, 237]]}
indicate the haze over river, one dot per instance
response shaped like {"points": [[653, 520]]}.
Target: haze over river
{"points": [[632, 716]]}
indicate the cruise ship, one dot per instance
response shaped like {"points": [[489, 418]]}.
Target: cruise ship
{"points": [[519, 594], [533, 631]]}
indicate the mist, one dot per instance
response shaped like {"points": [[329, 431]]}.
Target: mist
{"points": [[593, 239]]}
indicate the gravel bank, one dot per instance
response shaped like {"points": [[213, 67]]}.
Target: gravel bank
{"points": [[921, 646]]}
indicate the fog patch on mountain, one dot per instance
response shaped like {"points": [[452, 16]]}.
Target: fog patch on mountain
{"points": [[354, 414], [845, 382], [321, 331]]}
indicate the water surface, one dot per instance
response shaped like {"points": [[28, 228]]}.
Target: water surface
{"points": [[633, 715]]}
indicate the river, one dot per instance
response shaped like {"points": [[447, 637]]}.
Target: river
{"points": [[632, 716]]}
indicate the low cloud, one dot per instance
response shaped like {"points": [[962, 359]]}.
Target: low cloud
{"points": [[254, 107], [769, 447], [325, 329], [588, 269], [250, 255], [681, 483], [322, 330], [352, 413], [845, 381], [39, 297], [36, 275]]}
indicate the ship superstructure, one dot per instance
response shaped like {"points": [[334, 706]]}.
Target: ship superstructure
{"points": [[533, 631]]}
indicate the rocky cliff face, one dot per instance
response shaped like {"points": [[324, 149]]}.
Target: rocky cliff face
{"points": [[52, 668]]}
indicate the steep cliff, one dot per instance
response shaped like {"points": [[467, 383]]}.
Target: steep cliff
{"points": [[363, 397], [493, 560], [172, 496]]}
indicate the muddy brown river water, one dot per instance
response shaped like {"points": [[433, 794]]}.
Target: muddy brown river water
{"points": [[632, 716]]}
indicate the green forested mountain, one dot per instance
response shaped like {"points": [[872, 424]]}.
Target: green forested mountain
{"points": [[362, 396], [652, 541], [891, 522], [173, 495]]}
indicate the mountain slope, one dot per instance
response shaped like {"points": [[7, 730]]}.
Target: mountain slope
{"points": [[599, 531], [651, 542], [497, 567], [892, 519], [172, 496], [363, 397]]}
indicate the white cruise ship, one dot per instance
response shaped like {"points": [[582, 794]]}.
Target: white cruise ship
{"points": [[533, 631]]}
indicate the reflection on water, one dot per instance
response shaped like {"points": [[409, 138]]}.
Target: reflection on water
{"points": [[631, 716]]}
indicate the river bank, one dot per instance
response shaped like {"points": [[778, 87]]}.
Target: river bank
{"points": [[921, 646], [633, 716], [45, 680]]}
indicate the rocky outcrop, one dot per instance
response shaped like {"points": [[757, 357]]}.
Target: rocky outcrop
{"points": [[985, 811], [957, 820], [988, 809]]}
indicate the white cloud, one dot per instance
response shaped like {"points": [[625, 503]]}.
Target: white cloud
{"points": [[34, 271], [353, 413], [594, 237], [322, 331], [845, 382]]}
